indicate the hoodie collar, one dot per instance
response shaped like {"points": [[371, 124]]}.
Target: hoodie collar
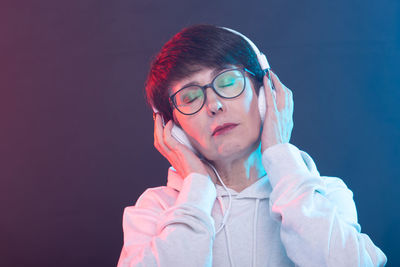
{"points": [[260, 189]]}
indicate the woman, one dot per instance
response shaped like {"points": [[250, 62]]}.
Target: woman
{"points": [[245, 196]]}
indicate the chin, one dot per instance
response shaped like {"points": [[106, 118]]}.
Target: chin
{"points": [[231, 147], [230, 150]]}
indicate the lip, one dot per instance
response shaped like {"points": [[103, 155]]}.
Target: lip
{"points": [[223, 128]]}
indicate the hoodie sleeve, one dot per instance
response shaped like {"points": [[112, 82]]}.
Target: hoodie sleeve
{"points": [[156, 234], [317, 214]]}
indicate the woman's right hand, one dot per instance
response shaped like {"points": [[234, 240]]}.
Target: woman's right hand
{"points": [[181, 157]]}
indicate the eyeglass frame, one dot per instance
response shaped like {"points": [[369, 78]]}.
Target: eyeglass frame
{"points": [[203, 88]]}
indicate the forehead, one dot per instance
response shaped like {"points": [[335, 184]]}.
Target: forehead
{"points": [[199, 76]]}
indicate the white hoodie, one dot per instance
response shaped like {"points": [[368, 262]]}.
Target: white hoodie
{"points": [[290, 217]]}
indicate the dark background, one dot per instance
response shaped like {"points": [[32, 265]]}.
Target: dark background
{"points": [[76, 137]]}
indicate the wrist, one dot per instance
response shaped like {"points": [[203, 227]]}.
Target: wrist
{"points": [[265, 146]]}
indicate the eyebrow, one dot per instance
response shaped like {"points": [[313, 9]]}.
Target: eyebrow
{"points": [[214, 73]]}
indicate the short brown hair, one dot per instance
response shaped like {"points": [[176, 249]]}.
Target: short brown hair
{"points": [[196, 46]]}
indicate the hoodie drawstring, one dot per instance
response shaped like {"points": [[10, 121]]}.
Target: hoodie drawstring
{"points": [[229, 246], [225, 218], [226, 231], [254, 262]]}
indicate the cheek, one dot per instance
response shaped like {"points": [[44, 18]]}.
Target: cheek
{"points": [[250, 104], [248, 99], [191, 126], [251, 109]]}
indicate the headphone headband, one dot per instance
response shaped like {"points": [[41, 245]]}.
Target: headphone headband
{"points": [[262, 59]]}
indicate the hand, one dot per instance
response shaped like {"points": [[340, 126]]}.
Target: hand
{"points": [[278, 123], [181, 157]]}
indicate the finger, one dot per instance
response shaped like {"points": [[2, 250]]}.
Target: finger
{"points": [[169, 140], [288, 98], [277, 83], [155, 129], [269, 97], [291, 103], [274, 78], [286, 103], [280, 93], [158, 136], [283, 94]]}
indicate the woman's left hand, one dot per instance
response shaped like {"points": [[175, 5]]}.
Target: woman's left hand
{"points": [[278, 123]]}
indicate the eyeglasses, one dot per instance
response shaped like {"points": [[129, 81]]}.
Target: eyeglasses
{"points": [[227, 84]]}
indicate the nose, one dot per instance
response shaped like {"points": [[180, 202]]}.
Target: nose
{"points": [[213, 103]]}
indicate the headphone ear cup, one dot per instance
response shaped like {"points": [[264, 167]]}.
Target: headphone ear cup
{"points": [[182, 138], [262, 103], [262, 106]]}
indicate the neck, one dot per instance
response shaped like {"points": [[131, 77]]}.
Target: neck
{"points": [[239, 173]]}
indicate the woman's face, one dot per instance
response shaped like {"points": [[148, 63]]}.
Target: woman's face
{"points": [[242, 111]]}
